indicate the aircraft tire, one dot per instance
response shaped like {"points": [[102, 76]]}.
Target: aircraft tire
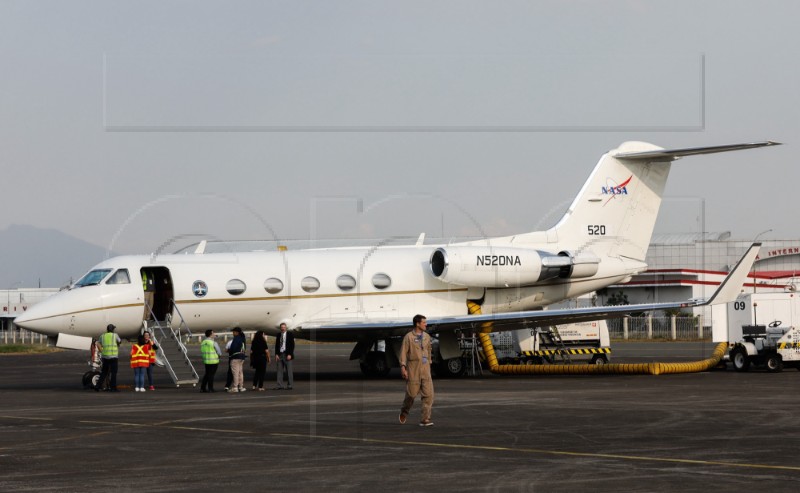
{"points": [[451, 368], [89, 379], [739, 358], [375, 365], [774, 363]]}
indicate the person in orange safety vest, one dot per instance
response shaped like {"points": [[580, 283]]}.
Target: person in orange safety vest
{"points": [[153, 348], [140, 360]]}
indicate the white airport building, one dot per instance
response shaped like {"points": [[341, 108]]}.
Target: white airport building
{"points": [[16, 301], [685, 266]]}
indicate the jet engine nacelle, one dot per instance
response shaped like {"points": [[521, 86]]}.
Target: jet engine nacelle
{"points": [[494, 267], [508, 267], [583, 264]]}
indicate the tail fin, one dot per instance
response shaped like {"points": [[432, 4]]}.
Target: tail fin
{"points": [[615, 211]]}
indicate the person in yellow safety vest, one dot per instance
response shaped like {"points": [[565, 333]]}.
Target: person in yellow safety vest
{"points": [[153, 348], [148, 286], [140, 360], [109, 351], [210, 351]]}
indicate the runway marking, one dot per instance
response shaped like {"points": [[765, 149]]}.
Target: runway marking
{"points": [[28, 417], [544, 452], [51, 440], [436, 444], [150, 425]]}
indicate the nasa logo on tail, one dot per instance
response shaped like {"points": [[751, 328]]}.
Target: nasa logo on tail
{"points": [[613, 189]]}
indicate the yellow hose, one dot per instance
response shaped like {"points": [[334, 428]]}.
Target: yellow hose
{"points": [[612, 368]]}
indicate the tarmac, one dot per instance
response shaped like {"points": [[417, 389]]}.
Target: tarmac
{"points": [[338, 431]]}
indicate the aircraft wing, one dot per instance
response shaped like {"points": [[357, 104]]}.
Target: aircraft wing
{"points": [[350, 330]]}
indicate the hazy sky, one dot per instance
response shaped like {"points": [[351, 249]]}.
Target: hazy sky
{"points": [[126, 124]]}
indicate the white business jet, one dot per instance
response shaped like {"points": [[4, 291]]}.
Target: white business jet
{"points": [[370, 294]]}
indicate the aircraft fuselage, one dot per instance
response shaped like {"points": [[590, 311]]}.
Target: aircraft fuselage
{"points": [[259, 290]]}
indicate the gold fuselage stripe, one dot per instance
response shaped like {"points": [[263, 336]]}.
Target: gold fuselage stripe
{"points": [[262, 298]]}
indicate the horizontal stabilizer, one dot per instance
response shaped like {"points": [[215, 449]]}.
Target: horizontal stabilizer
{"points": [[673, 154]]}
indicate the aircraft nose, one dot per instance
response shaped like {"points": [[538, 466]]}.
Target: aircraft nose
{"points": [[24, 319], [43, 317]]}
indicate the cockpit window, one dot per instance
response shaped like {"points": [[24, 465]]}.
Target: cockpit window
{"points": [[119, 277], [93, 278]]}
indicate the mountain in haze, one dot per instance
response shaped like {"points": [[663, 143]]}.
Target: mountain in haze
{"points": [[45, 257]]}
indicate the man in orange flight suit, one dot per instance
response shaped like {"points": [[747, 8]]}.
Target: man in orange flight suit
{"points": [[415, 367]]}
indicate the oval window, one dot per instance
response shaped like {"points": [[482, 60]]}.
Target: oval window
{"points": [[381, 280], [309, 284], [235, 286], [345, 282], [273, 285]]}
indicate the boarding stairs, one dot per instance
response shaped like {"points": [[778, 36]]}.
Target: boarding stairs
{"points": [[561, 348], [172, 351]]}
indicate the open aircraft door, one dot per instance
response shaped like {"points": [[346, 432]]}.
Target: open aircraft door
{"points": [[158, 292]]}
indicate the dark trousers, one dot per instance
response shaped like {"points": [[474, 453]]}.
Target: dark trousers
{"points": [[110, 365], [285, 365], [260, 367], [229, 378], [208, 377], [150, 374]]}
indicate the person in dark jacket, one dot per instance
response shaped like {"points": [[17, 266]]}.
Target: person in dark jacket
{"points": [[238, 353], [284, 355], [259, 358]]}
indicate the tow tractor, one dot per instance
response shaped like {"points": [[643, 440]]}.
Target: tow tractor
{"points": [[772, 345]]}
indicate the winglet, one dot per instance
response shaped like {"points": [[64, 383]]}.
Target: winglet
{"points": [[730, 288]]}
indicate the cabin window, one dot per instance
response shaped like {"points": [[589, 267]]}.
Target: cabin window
{"points": [[119, 277], [309, 284], [235, 287], [93, 278], [345, 282], [273, 285], [381, 280]]}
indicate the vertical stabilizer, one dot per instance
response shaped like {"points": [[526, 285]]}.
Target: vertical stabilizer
{"points": [[616, 210]]}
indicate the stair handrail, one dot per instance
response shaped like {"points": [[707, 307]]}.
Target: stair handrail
{"points": [[177, 333], [561, 347], [183, 323], [157, 324]]}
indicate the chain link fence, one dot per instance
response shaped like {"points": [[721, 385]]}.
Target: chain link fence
{"points": [[662, 328], [21, 336]]}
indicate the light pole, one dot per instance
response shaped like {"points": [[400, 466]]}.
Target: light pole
{"points": [[755, 281]]}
